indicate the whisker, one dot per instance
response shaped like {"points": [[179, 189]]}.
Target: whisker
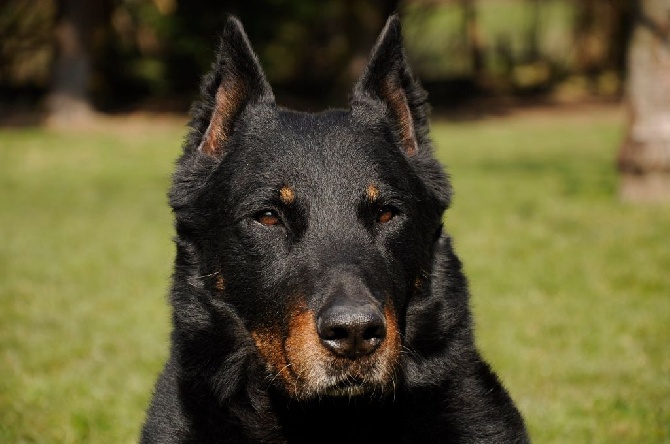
{"points": [[276, 375], [199, 278]]}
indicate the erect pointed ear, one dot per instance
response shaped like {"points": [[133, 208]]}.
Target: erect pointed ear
{"points": [[387, 78], [236, 81]]}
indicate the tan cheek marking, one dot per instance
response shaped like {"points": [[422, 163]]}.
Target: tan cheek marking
{"points": [[287, 195], [392, 342], [372, 193], [220, 283], [294, 360], [269, 345], [303, 347]]}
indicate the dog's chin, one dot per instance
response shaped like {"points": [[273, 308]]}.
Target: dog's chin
{"points": [[348, 390], [350, 387]]}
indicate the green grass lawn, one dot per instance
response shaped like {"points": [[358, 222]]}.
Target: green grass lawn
{"points": [[571, 288]]}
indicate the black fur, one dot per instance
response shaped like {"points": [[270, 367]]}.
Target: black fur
{"points": [[359, 220]]}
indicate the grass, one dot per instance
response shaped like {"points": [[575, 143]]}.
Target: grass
{"points": [[570, 287], [85, 258]]}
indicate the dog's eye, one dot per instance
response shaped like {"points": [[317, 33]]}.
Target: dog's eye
{"points": [[385, 214], [268, 218]]}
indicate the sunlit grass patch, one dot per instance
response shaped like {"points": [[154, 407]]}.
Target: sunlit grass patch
{"points": [[570, 287]]}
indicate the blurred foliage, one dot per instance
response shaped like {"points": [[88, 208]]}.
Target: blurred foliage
{"points": [[26, 29], [312, 51], [525, 45]]}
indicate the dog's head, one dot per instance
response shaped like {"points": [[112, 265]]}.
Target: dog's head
{"points": [[311, 233]]}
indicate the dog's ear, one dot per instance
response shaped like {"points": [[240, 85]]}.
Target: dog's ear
{"points": [[387, 78], [236, 81]]}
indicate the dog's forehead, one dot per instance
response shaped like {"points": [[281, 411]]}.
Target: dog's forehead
{"points": [[330, 134], [322, 148]]}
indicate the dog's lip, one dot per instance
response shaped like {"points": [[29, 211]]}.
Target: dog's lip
{"points": [[348, 387], [346, 391]]}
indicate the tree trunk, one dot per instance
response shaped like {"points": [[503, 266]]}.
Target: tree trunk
{"points": [[69, 98], [644, 158]]}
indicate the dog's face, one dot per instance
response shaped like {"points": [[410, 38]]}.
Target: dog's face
{"points": [[320, 248], [318, 229]]}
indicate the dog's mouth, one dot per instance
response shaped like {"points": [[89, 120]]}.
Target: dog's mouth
{"points": [[349, 388], [374, 376]]}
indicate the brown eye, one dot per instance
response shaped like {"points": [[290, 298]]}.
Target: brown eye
{"points": [[385, 215], [268, 218]]}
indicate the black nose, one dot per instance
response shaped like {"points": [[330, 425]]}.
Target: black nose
{"points": [[351, 331]]}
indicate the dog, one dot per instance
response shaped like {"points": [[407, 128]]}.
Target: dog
{"points": [[315, 296]]}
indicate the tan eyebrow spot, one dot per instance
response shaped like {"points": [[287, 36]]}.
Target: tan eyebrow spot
{"points": [[372, 192], [287, 195]]}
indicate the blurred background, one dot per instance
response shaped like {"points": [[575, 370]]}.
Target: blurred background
{"points": [[120, 55], [551, 116]]}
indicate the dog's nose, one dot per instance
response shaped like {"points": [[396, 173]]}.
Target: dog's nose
{"points": [[351, 331]]}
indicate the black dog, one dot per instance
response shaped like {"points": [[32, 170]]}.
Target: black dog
{"points": [[315, 296]]}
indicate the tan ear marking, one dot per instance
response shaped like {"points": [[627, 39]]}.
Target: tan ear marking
{"points": [[227, 103], [397, 102]]}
